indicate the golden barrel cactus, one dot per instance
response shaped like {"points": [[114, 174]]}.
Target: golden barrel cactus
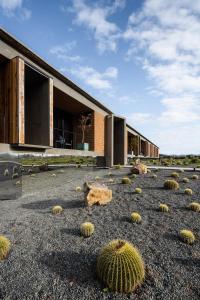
{"points": [[194, 206], [136, 217], [187, 236], [57, 209], [126, 180], [163, 207], [171, 185], [4, 247], [120, 266], [87, 229]]}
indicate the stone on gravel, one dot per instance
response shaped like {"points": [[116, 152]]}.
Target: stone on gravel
{"points": [[96, 193]]}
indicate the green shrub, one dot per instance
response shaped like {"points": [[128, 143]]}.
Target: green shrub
{"points": [[136, 218], [188, 191], [4, 247], [163, 207], [87, 229], [138, 190], [57, 209], [118, 167], [194, 206], [175, 175], [171, 185], [195, 177], [126, 180], [120, 266], [186, 180], [187, 236]]}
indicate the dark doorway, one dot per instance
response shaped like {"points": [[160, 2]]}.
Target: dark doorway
{"points": [[119, 141], [3, 100], [36, 108]]}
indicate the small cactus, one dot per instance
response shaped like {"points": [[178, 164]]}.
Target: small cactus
{"points": [[194, 206], [97, 178], [126, 180], [133, 176], [154, 176], [148, 171], [53, 175], [187, 236], [4, 247], [78, 189], [181, 170], [110, 174], [188, 191], [6, 172], [186, 180], [87, 229], [111, 180], [138, 190], [175, 175], [195, 177], [163, 207], [136, 218], [120, 266], [57, 209], [171, 185]]}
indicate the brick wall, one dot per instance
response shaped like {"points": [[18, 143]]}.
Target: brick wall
{"points": [[99, 133], [95, 135]]}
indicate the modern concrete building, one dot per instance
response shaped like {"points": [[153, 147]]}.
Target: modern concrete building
{"points": [[40, 111]]}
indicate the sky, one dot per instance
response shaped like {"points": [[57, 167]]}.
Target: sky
{"points": [[139, 58]]}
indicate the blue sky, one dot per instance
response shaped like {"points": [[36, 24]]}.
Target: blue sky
{"points": [[140, 58]]}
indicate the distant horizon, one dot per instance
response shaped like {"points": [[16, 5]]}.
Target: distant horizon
{"points": [[141, 59]]}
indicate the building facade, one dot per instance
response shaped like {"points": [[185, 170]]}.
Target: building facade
{"points": [[41, 111]]}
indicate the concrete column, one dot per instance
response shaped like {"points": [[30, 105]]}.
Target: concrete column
{"points": [[50, 112]]}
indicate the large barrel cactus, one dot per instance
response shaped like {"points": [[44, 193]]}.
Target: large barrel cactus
{"points": [[120, 266]]}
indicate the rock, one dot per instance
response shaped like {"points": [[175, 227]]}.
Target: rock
{"points": [[139, 169], [97, 193]]}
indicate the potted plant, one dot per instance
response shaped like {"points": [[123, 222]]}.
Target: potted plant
{"points": [[84, 124], [133, 145]]}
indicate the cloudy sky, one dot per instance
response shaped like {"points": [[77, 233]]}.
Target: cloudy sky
{"points": [[140, 58]]}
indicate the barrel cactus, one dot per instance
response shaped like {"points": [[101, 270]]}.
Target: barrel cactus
{"points": [[187, 236], [154, 176], [78, 189], [4, 247], [195, 177], [57, 209], [194, 206], [136, 218], [118, 167], [163, 207], [133, 176], [87, 229], [171, 185], [120, 266], [175, 175], [138, 190], [188, 192], [186, 180], [126, 180]]}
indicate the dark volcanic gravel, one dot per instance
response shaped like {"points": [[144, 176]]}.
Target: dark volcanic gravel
{"points": [[50, 260]]}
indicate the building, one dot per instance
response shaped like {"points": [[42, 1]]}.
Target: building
{"points": [[40, 111]]}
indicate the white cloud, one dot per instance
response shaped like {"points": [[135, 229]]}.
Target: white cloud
{"points": [[12, 8], [165, 36], [139, 118], [95, 79], [63, 52], [95, 18]]}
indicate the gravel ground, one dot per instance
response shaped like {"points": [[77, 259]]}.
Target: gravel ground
{"points": [[50, 260]]}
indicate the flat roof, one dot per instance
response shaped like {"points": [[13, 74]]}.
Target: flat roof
{"points": [[18, 45]]}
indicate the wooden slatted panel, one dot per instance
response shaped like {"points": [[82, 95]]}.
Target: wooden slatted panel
{"points": [[51, 112]]}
